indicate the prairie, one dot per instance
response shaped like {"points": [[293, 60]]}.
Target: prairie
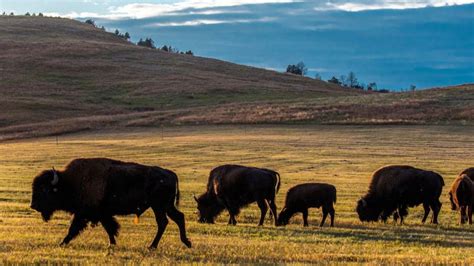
{"points": [[341, 155]]}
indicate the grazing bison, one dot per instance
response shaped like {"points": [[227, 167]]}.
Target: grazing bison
{"points": [[312, 195], [469, 172], [94, 190], [397, 187], [232, 187], [461, 196]]}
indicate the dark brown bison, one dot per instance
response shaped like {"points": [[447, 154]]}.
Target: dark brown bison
{"points": [[397, 187], [94, 190], [461, 196], [312, 195], [232, 187], [469, 172]]}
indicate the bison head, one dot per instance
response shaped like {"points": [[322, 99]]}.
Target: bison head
{"points": [[208, 208], [284, 217], [367, 211], [45, 198], [453, 204]]}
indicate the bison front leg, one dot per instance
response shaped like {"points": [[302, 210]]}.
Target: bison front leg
{"points": [[232, 220], [77, 225], [469, 214], [162, 222], [462, 212], [111, 226], [305, 217]]}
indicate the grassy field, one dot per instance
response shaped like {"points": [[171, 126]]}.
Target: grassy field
{"points": [[342, 155]]}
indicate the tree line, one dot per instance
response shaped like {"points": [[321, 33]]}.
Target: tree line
{"points": [[348, 81], [147, 42], [27, 14]]}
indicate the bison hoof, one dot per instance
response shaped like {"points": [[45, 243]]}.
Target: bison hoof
{"points": [[187, 243], [63, 244], [152, 247]]}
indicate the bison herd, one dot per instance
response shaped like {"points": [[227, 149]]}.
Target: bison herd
{"points": [[95, 190]]}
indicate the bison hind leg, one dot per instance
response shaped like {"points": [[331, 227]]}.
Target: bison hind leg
{"points": [[111, 226], [178, 218], [436, 207]]}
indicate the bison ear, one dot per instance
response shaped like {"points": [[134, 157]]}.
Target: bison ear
{"points": [[55, 178]]}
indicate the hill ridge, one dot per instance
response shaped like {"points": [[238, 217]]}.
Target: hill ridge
{"points": [[63, 72]]}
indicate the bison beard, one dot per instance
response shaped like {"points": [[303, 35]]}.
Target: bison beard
{"points": [[395, 188], [232, 187], [94, 190]]}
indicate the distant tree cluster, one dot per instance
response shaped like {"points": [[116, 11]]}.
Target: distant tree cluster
{"points": [[351, 81], [27, 14], [125, 36], [90, 22], [298, 69], [170, 49], [147, 42]]}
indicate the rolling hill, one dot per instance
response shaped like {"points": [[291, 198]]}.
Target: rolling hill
{"points": [[60, 76]]}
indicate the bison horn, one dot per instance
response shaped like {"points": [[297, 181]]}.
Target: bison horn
{"points": [[55, 178], [195, 198], [364, 203]]}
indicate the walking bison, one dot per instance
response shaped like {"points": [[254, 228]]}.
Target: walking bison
{"points": [[95, 190], [397, 187], [232, 187], [461, 197], [311, 195]]}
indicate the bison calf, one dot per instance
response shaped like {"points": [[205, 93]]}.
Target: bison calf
{"points": [[461, 196], [95, 190], [312, 195]]}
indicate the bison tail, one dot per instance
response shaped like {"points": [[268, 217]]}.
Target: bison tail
{"points": [[176, 199], [278, 183]]}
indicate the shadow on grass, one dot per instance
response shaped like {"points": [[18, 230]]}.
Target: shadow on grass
{"points": [[426, 235]]}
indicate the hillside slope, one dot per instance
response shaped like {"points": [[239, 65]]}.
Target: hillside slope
{"points": [[60, 75]]}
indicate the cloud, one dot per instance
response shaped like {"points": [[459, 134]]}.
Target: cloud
{"points": [[146, 10], [199, 22], [354, 6], [135, 10]]}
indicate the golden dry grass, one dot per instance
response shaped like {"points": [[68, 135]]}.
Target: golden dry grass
{"points": [[342, 155]]}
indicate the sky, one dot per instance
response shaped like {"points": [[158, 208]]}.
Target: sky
{"points": [[395, 43]]}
